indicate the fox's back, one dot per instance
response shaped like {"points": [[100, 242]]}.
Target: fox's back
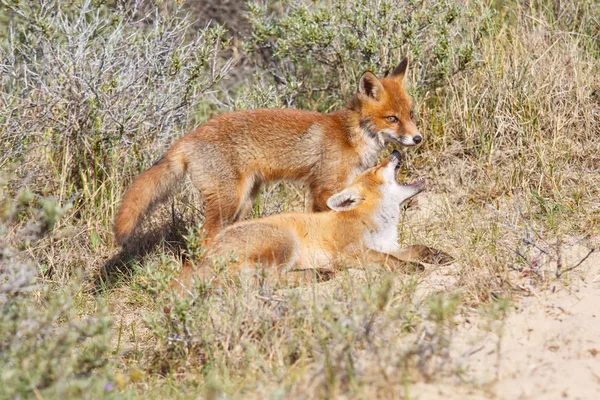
{"points": [[277, 142]]}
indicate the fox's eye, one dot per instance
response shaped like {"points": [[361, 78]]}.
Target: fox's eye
{"points": [[412, 114], [392, 119]]}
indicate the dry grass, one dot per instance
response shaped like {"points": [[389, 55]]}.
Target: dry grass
{"points": [[513, 164]]}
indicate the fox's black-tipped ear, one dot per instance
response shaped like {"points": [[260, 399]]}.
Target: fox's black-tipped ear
{"points": [[345, 200], [400, 70], [370, 86]]}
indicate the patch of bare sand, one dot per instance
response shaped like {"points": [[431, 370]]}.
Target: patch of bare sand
{"points": [[547, 347]]}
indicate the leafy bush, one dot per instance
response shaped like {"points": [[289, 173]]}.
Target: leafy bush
{"points": [[315, 52]]}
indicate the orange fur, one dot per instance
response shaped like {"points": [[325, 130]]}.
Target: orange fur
{"points": [[367, 209], [230, 156]]}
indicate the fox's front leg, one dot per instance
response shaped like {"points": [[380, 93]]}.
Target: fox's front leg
{"points": [[371, 257], [421, 254], [411, 256]]}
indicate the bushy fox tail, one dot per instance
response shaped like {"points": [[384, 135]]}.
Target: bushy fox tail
{"points": [[152, 186]]}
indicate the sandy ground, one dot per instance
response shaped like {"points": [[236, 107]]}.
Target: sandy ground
{"points": [[547, 347]]}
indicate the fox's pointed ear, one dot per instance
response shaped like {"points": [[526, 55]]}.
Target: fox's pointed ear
{"points": [[345, 200], [400, 70], [370, 86]]}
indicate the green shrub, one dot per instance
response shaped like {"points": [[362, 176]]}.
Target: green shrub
{"points": [[316, 51], [47, 349]]}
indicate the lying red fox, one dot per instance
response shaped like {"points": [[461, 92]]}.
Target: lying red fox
{"points": [[362, 224]]}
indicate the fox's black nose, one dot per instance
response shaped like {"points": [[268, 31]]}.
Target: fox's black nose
{"points": [[417, 139]]}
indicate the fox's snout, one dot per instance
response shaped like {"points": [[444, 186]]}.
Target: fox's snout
{"points": [[410, 135], [410, 190], [417, 139]]}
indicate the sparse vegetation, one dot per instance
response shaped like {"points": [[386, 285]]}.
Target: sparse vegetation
{"points": [[46, 348], [92, 92]]}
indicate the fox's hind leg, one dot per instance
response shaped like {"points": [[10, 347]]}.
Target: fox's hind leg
{"points": [[220, 208], [248, 191], [228, 202]]}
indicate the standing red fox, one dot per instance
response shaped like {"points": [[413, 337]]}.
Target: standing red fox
{"points": [[362, 224], [230, 156]]}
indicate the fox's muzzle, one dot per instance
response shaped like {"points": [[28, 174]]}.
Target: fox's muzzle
{"points": [[396, 157], [417, 185]]}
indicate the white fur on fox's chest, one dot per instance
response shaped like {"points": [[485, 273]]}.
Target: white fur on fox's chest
{"points": [[369, 152], [383, 236]]}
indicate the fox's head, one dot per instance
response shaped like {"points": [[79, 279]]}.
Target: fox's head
{"points": [[386, 110], [377, 189]]}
